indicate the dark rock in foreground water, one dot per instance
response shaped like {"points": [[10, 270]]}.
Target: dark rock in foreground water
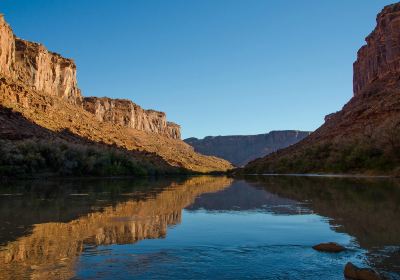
{"points": [[330, 247], [353, 272]]}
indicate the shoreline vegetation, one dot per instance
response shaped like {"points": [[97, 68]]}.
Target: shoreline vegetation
{"points": [[377, 154], [31, 158]]}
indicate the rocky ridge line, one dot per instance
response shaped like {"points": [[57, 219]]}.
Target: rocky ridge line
{"points": [[32, 64]]}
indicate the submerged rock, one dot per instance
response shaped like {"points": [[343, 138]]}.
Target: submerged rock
{"points": [[353, 272], [330, 247]]}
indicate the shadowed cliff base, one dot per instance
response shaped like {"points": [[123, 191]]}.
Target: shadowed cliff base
{"points": [[364, 136], [28, 149]]}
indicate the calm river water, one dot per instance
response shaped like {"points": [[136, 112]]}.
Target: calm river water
{"points": [[198, 228]]}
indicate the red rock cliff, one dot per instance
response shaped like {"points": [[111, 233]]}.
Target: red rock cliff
{"points": [[380, 58], [126, 113], [36, 67], [46, 72], [7, 48]]}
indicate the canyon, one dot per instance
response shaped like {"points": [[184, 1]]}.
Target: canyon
{"points": [[363, 136], [39, 92], [241, 149]]}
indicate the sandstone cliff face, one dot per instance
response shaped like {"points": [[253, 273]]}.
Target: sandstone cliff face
{"points": [[46, 71], [240, 149], [128, 114], [363, 136], [380, 57], [36, 67], [41, 86], [7, 48]]}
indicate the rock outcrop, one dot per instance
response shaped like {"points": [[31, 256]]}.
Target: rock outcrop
{"points": [[7, 48], [35, 66], [240, 149], [46, 71], [380, 57], [42, 87], [353, 272], [128, 114], [363, 137], [330, 247]]}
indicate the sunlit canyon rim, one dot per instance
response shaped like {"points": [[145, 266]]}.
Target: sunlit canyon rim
{"points": [[40, 101]]}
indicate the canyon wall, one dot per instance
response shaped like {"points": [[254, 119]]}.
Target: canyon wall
{"points": [[43, 71], [363, 137], [128, 114], [46, 71], [36, 67], [7, 48], [240, 149], [380, 57]]}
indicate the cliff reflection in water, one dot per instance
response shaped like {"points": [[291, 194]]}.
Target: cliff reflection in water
{"points": [[50, 249], [258, 225], [365, 208]]}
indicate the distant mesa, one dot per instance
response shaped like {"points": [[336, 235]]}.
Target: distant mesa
{"points": [[240, 149]]}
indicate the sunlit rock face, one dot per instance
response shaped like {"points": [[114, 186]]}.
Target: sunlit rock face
{"points": [[380, 57], [36, 67], [370, 118], [7, 47], [50, 251], [128, 114], [46, 71]]}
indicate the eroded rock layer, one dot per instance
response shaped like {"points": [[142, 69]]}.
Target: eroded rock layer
{"points": [[364, 136], [7, 47], [380, 57], [48, 72], [126, 113], [42, 87]]}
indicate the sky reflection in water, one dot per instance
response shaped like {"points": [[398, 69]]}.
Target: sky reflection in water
{"points": [[204, 228]]}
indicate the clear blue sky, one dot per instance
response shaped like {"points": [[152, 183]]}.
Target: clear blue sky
{"points": [[217, 67]]}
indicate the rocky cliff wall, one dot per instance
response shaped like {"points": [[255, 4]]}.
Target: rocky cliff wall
{"points": [[380, 57], [36, 67], [46, 71], [363, 137], [240, 149], [7, 48], [128, 114], [32, 65]]}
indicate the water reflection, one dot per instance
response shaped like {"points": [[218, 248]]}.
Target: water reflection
{"points": [[366, 208], [50, 250], [260, 226]]}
